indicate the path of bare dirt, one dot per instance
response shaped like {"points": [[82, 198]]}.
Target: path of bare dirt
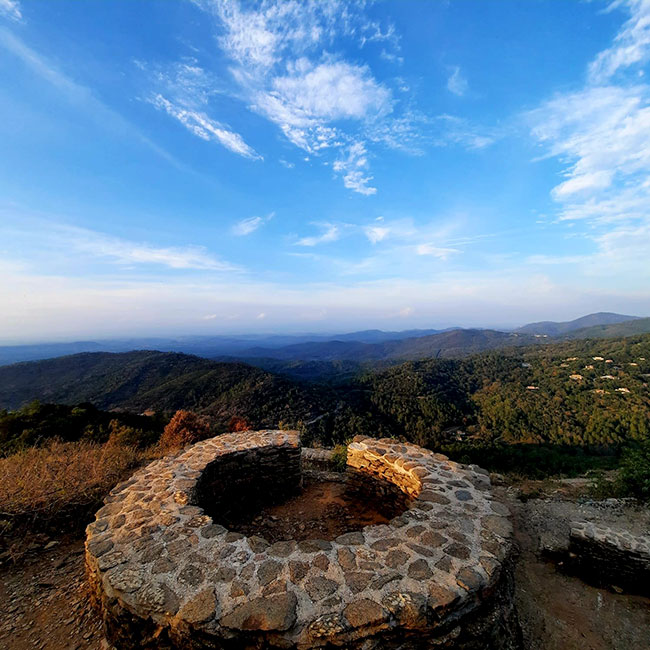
{"points": [[44, 602], [561, 612]]}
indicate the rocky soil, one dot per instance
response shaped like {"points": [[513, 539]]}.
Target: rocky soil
{"points": [[44, 604], [323, 510]]}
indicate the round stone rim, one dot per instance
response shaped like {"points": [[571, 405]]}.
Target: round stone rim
{"points": [[154, 553]]}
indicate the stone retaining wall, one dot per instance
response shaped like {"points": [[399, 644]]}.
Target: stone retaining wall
{"points": [[610, 558], [165, 575]]}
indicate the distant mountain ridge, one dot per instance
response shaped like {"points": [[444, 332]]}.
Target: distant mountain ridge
{"points": [[552, 328], [366, 345]]}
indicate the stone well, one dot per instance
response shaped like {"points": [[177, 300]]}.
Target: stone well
{"points": [[439, 575]]}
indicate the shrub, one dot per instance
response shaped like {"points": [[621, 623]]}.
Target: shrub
{"points": [[238, 423], [60, 481], [185, 428], [634, 475], [340, 458]]}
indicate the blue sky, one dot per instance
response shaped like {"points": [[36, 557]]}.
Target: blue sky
{"points": [[219, 167]]}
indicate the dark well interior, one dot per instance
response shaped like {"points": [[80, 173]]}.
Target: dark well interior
{"points": [[263, 492]]}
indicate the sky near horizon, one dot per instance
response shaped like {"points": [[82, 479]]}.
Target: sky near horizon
{"points": [[197, 167]]}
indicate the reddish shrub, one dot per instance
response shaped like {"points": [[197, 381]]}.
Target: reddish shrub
{"points": [[237, 423], [185, 428]]}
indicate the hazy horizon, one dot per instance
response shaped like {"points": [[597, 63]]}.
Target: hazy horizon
{"points": [[209, 167]]}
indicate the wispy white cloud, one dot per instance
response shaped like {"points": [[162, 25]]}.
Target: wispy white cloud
{"points": [[601, 135], [353, 167], [632, 43], [124, 252], [435, 251], [247, 226], [376, 233], [11, 9], [206, 128], [456, 82], [331, 232]]}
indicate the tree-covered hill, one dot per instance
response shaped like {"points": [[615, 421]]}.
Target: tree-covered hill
{"points": [[140, 381], [576, 393]]}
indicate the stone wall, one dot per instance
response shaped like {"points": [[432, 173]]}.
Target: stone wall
{"points": [[248, 479], [609, 558], [165, 575]]}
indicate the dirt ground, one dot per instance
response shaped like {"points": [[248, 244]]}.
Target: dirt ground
{"points": [[44, 604], [323, 510], [561, 612]]}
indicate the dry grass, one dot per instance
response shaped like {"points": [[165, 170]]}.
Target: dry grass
{"points": [[47, 485]]}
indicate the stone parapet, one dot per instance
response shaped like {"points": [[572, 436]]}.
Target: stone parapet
{"points": [[166, 574], [610, 558]]}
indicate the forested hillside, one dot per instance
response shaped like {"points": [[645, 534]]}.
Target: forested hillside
{"points": [[577, 393], [141, 381]]}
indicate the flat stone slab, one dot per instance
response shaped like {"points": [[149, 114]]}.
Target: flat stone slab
{"points": [[153, 554]]}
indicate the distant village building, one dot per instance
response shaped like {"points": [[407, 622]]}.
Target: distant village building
{"points": [[634, 364], [532, 387], [607, 377], [598, 358], [599, 391], [576, 377], [572, 359], [609, 360], [564, 365], [622, 390], [589, 368], [525, 365]]}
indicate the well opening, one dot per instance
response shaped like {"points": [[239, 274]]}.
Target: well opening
{"points": [[267, 495]]}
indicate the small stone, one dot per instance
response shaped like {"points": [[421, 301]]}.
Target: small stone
{"points": [[297, 571], [441, 599], [351, 539], [163, 565], [321, 561], [415, 531], [357, 580], [444, 564], [365, 612], [385, 544], [433, 497], [464, 495], [419, 570], [282, 549], [191, 575], [257, 544], [469, 580], [212, 531], [233, 537], [318, 587], [97, 548], [458, 550], [432, 539], [224, 574], [406, 607], [396, 559], [347, 559], [199, 609], [125, 579], [314, 545], [421, 550], [327, 625], [268, 571], [270, 613], [382, 580]]}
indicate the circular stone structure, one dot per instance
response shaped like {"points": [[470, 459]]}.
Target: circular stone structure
{"points": [[439, 575]]}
